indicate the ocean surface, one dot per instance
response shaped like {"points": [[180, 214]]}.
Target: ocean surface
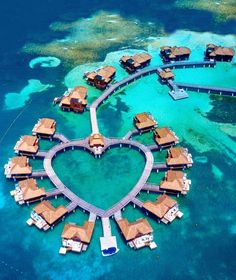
{"points": [[45, 48]]}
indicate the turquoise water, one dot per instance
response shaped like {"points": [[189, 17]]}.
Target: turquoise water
{"points": [[102, 182], [199, 246]]}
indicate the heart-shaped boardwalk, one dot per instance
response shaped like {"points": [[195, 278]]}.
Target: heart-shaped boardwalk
{"points": [[76, 201]]}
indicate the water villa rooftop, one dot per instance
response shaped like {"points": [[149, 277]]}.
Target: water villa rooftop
{"points": [[219, 53], [174, 53], [27, 145], [179, 157], [45, 215], [74, 99], [175, 181], [164, 208], [138, 234], [27, 191], [166, 74], [45, 128], [101, 77], [135, 62], [18, 167], [144, 122], [96, 142], [164, 137], [76, 238]]}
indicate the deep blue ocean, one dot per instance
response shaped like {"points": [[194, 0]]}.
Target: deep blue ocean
{"points": [[199, 246]]}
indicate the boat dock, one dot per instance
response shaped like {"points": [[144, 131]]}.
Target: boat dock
{"points": [[108, 242], [176, 91]]}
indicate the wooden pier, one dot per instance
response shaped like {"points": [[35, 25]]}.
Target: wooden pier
{"points": [[152, 188], [137, 202], [160, 166], [131, 133], [53, 193], [208, 89], [40, 154], [132, 78], [39, 174], [61, 137]]}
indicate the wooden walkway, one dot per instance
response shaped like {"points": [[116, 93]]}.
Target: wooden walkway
{"points": [[137, 202], [131, 133], [41, 154], [92, 217], [118, 215], [53, 193], [159, 166], [208, 89], [154, 147], [61, 137], [152, 188], [39, 174], [132, 78]]}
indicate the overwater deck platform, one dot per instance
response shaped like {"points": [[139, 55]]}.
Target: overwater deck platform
{"points": [[108, 242]]}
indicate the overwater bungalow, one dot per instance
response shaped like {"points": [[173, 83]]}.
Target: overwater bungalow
{"points": [[74, 99], [135, 62], [101, 77], [166, 74], [27, 191], [18, 168], [170, 54], [45, 215], [76, 238], [219, 53], [179, 157], [144, 122], [165, 208], [165, 137], [138, 234], [96, 142], [175, 182], [45, 128], [27, 145]]}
